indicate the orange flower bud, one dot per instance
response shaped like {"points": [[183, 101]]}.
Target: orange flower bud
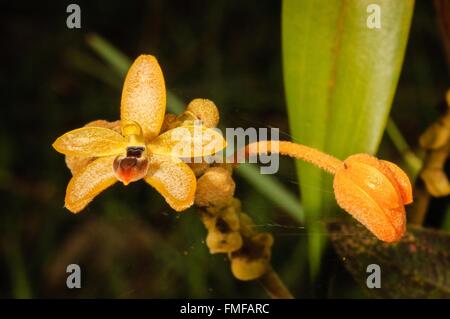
{"points": [[215, 188], [205, 110], [374, 192]]}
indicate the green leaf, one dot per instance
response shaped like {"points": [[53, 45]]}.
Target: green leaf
{"points": [[340, 78], [418, 266]]}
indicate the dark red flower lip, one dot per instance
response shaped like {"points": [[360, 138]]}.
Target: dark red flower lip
{"points": [[130, 168]]}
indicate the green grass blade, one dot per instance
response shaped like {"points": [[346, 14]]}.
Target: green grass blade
{"points": [[412, 161], [120, 64], [115, 58], [340, 78]]}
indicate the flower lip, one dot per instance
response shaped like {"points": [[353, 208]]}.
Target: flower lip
{"points": [[128, 163], [130, 168]]}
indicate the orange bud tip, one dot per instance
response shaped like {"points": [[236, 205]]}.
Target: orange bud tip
{"points": [[374, 192]]}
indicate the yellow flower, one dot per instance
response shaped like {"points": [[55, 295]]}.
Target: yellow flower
{"points": [[139, 151]]}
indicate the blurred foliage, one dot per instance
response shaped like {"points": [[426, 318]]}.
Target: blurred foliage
{"points": [[406, 267], [130, 244]]}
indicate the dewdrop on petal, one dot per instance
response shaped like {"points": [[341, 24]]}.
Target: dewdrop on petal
{"points": [[374, 192], [214, 188], [205, 110]]}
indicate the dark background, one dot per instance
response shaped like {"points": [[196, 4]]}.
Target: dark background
{"points": [[128, 241]]}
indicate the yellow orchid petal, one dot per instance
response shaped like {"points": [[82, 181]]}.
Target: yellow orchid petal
{"points": [[173, 179], [188, 142], [88, 183], [90, 141], [144, 95]]}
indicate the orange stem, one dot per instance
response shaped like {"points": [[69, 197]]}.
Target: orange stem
{"points": [[322, 160]]}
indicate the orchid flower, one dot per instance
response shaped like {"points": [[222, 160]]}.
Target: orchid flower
{"points": [[138, 150]]}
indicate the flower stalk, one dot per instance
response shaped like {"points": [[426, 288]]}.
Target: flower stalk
{"points": [[373, 191], [320, 159]]}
